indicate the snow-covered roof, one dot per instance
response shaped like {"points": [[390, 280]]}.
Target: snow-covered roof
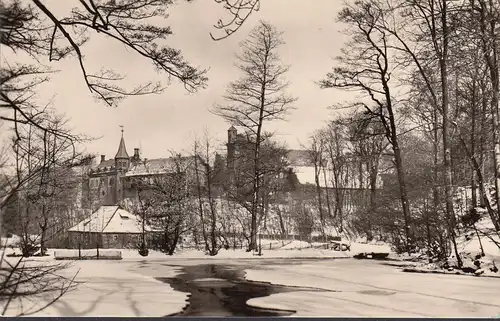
{"points": [[159, 166], [110, 219], [107, 163], [305, 174], [299, 157]]}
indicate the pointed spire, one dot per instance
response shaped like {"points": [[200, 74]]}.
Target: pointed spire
{"points": [[122, 150]]}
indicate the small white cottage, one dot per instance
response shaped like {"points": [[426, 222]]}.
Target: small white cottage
{"points": [[108, 227]]}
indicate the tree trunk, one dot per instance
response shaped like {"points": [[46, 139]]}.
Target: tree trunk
{"points": [[360, 169], [329, 209], [473, 140], [373, 195], [256, 161], [484, 109], [318, 192], [443, 64], [213, 249], [281, 222], [200, 200], [489, 42]]}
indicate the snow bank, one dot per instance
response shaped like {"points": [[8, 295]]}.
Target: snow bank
{"points": [[10, 241], [275, 254], [293, 245], [357, 248], [471, 249], [133, 255], [471, 246]]}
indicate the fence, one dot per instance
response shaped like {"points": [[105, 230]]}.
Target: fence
{"points": [[88, 254]]}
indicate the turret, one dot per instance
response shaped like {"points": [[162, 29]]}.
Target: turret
{"points": [[122, 160], [231, 135]]}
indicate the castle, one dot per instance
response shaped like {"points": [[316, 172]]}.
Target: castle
{"points": [[110, 182]]}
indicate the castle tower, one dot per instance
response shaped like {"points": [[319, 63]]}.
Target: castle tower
{"points": [[231, 145], [122, 160], [122, 164]]}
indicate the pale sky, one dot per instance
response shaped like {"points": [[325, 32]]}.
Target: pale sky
{"points": [[169, 121]]}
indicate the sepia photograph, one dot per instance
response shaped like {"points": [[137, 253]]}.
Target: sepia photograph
{"points": [[250, 158]]}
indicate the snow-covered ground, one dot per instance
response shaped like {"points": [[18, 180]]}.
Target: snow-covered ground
{"points": [[108, 288], [347, 288], [270, 249], [133, 255], [291, 249], [367, 288], [125, 287]]}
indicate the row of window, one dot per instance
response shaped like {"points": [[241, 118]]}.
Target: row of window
{"points": [[95, 182]]}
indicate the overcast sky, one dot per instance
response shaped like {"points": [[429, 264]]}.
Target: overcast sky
{"points": [[169, 121]]}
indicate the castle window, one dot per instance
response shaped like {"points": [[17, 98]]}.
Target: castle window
{"points": [[111, 181]]}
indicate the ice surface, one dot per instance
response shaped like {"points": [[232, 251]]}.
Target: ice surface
{"points": [[367, 288], [111, 288]]}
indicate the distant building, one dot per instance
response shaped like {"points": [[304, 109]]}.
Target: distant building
{"points": [[299, 162], [355, 189]]}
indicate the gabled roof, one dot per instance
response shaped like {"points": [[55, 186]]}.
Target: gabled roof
{"points": [[110, 219], [122, 150]]}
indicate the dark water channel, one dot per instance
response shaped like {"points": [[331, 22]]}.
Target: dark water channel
{"points": [[216, 290]]}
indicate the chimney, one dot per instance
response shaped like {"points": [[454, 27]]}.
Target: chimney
{"points": [[136, 153], [103, 158]]}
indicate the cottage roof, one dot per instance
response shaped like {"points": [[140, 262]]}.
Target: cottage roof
{"points": [[110, 219]]}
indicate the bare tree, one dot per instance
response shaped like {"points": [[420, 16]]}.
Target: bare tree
{"points": [[257, 97], [36, 192], [206, 190], [239, 11], [167, 200], [35, 29], [366, 136], [366, 67], [316, 153], [335, 145]]}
